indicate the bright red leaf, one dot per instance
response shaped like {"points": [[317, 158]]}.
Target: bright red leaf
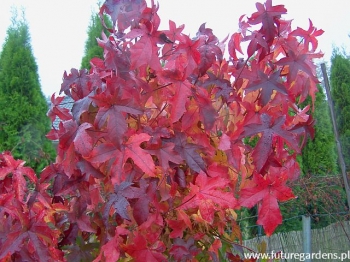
{"points": [[268, 190]]}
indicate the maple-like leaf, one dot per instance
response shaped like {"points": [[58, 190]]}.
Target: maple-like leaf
{"points": [[257, 42], [141, 208], [174, 33], [309, 36], [207, 112], [140, 156], [140, 251], [210, 51], [222, 86], [178, 227], [208, 194], [295, 64], [113, 104], [19, 172], [119, 200], [145, 52], [123, 13], [267, 15], [235, 45], [267, 83], [81, 106], [29, 226], [190, 49], [83, 141], [178, 102], [188, 151], [268, 190], [56, 110], [165, 154], [76, 80], [184, 250], [268, 129], [111, 250]]}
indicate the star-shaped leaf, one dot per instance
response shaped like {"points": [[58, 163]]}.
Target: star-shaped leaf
{"points": [[267, 191]]}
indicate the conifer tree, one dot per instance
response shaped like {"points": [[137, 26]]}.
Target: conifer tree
{"points": [[319, 155], [340, 91], [23, 120]]}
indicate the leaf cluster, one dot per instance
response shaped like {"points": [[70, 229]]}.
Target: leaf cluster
{"points": [[152, 164]]}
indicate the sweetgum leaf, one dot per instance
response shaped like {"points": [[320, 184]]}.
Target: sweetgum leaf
{"points": [[119, 200], [13, 243], [83, 141], [268, 130], [141, 252], [208, 195], [188, 151], [56, 110], [140, 156], [178, 102], [80, 106], [145, 52], [165, 154], [182, 249], [296, 63], [267, 85], [309, 36], [77, 79], [269, 190], [267, 15]]}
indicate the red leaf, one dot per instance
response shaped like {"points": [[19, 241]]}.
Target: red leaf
{"points": [[174, 33], [119, 200], [207, 112], [77, 79], [141, 208], [83, 141], [18, 171], [13, 243], [295, 64], [141, 252], [268, 130], [165, 154], [182, 250], [56, 110], [188, 151], [190, 49], [111, 250], [267, 15], [140, 156], [269, 190], [267, 85], [309, 36], [235, 45], [145, 52], [178, 227], [209, 195], [178, 102]]}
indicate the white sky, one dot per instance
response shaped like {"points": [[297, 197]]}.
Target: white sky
{"points": [[58, 28]]}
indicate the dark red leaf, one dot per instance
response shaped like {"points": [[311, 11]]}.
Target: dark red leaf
{"points": [[267, 15], [267, 83]]}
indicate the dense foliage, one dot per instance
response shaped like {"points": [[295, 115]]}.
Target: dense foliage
{"points": [[152, 164], [23, 120], [340, 91]]}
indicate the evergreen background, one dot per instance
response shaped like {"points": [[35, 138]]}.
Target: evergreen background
{"points": [[23, 120]]}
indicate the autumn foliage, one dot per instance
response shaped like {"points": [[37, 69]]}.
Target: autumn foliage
{"points": [[152, 163]]}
